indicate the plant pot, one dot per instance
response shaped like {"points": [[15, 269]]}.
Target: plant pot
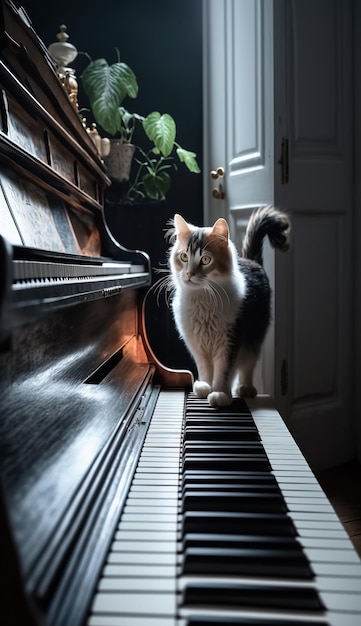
{"points": [[119, 160]]}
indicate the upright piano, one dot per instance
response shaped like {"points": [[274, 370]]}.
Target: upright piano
{"points": [[125, 500]]}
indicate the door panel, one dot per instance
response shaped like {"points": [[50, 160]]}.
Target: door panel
{"points": [[278, 118], [238, 103], [317, 112], [316, 369], [249, 103]]}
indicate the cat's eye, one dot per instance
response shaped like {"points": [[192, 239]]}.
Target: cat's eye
{"points": [[205, 259], [183, 257]]}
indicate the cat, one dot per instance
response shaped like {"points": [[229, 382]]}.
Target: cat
{"points": [[221, 302]]}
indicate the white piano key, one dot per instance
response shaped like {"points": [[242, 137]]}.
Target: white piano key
{"points": [[135, 501], [161, 490], [164, 464], [143, 545], [344, 584], [155, 453], [315, 523], [315, 533], [297, 487], [135, 604], [149, 511], [152, 478], [146, 524], [324, 568], [324, 619], [141, 584], [346, 602], [347, 584], [118, 620], [138, 571], [136, 514], [314, 517], [156, 470], [319, 555], [323, 542], [146, 535], [142, 558]]}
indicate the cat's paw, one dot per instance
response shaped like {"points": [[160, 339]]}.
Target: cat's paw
{"points": [[201, 389], [219, 398], [247, 391]]}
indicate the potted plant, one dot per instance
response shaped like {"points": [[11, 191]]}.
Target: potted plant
{"points": [[106, 86]]}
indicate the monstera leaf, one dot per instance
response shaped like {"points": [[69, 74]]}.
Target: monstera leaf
{"points": [[106, 87], [161, 129]]}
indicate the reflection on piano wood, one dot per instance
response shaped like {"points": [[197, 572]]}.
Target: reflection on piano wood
{"points": [[215, 520]]}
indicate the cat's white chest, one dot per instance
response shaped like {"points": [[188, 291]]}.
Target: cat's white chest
{"points": [[205, 320]]}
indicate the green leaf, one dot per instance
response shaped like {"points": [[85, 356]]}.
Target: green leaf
{"points": [[127, 117], [106, 87], [106, 116], [161, 129], [156, 185], [189, 159]]}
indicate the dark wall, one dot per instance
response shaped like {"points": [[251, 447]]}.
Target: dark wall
{"points": [[161, 40]]}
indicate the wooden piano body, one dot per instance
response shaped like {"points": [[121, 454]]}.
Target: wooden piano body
{"points": [[73, 365], [79, 386]]}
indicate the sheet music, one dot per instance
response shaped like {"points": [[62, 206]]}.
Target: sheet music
{"points": [[39, 224], [8, 227]]}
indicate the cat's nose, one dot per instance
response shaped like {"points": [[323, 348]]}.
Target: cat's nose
{"points": [[189, 275]]}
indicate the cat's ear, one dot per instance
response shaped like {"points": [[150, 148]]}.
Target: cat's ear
{"points": [[220, 229], [182, 229]]}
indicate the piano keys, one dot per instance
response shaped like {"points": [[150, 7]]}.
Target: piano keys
{"points": [[174, 561]]}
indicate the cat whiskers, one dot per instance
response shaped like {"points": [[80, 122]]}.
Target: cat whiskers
{"points": [[163, 285], [214, 292]]}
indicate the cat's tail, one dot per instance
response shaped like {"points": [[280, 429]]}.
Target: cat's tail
{"points": [[265, 221]]}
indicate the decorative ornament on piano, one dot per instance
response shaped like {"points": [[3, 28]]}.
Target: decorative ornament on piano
{"points": [[63, 53]]}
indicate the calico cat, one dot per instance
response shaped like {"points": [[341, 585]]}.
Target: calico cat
{"points": [[221, 302]]}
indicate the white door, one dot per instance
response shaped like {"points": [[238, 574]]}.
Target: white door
{"points": [[277, 111]]}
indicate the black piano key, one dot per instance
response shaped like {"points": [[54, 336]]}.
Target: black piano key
{"points": [[256, 562], [233, 501], [224, 447], [232, 422], [208, 487], [214, 418], [227, 620], [237, 595], [223, 432], [230, 477], [237, 523], [217, 540], [254, 462]]}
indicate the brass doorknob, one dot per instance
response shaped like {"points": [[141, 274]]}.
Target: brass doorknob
{"points": [[218, 173], [218, 193]]}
